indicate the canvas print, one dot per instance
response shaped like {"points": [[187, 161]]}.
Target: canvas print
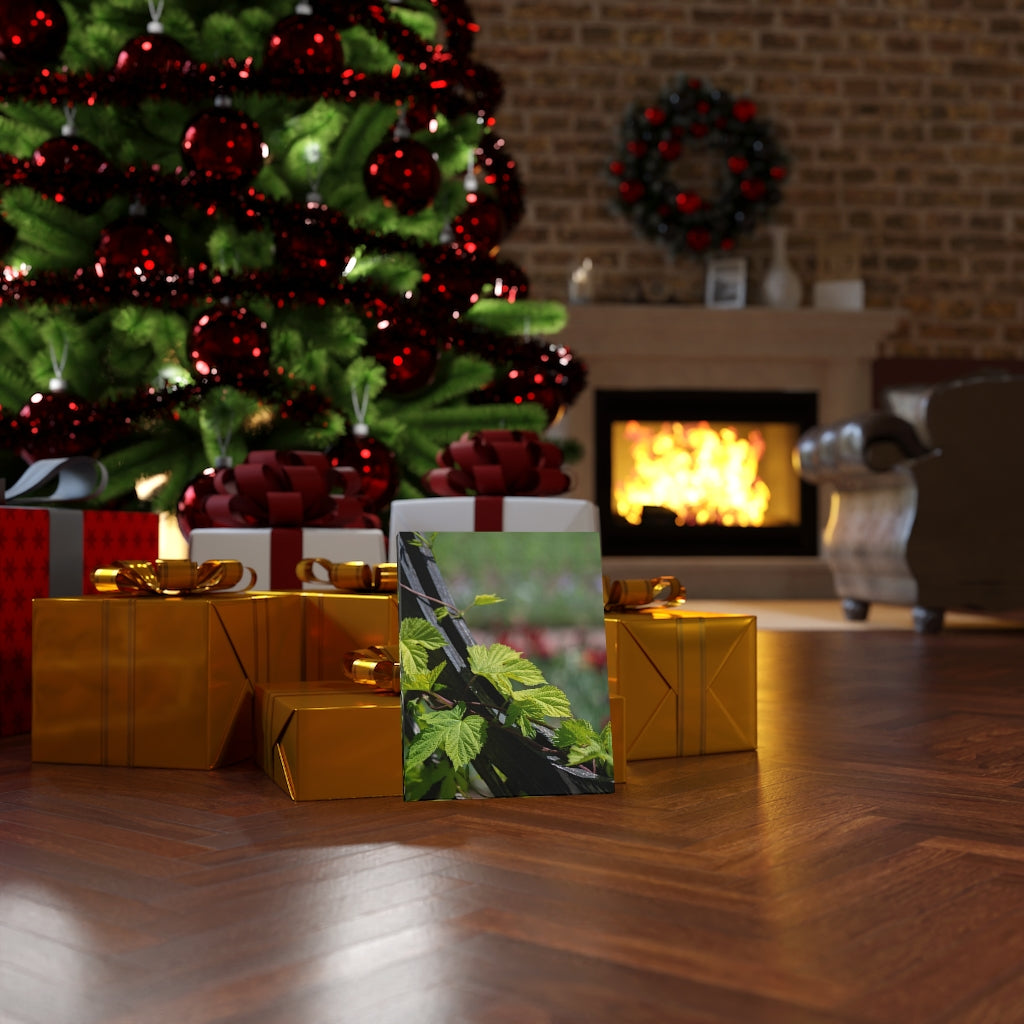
{"points": [[504, 665]]}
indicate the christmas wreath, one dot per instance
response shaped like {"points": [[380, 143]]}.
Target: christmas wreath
{"points": [[690, 116]]}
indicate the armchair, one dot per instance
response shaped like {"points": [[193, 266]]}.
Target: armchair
{"points": [[926, 499]]}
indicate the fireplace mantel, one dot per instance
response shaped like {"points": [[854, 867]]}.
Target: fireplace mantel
{"points": [[659, 347]]}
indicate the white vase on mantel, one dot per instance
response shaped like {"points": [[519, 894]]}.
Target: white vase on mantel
{"points": [[781, 287]]}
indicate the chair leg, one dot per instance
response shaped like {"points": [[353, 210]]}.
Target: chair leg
{"points": [[855, 610], [928, 620]]}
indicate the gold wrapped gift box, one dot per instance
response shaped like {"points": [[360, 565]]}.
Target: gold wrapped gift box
{"points": [[161, 682], [337, 624], [689, 680], [320, 742], [168, 681]]}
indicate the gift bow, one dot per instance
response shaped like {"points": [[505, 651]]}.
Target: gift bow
{"points": [[350, 575], [75, 478], [657, 590], [506, 462], [294, 489], [167, 576], [375, 666]]}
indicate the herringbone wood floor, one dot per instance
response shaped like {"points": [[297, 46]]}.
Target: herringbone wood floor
{"points": [[866, 865]]}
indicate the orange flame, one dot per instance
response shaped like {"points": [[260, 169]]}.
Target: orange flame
{"points": [[706, 476]]}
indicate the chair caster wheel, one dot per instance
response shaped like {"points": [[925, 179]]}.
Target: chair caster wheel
{"points": [[854, 610], [928, 620]]}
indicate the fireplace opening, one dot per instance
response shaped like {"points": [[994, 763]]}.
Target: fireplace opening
{"points": [[703, 473]]}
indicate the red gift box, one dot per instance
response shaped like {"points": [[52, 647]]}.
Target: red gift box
{"points": [[51, 553]]}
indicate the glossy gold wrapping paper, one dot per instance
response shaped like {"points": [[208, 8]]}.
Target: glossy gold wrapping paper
{"points": [[338, 624], [690, 681], [322, 742], [159, 682]]}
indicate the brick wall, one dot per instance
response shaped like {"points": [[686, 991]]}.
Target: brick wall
{"points": [[903, 121]]}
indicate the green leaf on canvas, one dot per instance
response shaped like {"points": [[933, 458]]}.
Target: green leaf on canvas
{"points": [[416, 637], [424, 681], [583, 744], [501, 665], [458, 735], [517, 717], [464, 739], [486, 599], [543, 702], [426, 743]]}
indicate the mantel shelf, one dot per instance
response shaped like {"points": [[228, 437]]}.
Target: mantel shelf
{"points": [[604, 329], [641, 347]]}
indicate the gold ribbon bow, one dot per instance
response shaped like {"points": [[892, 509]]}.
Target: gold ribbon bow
{"points": [[167, 576], [376, 667], [350, 575], [659, 590]]}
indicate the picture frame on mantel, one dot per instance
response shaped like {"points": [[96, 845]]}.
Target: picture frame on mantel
{"points": [[725, 284]]}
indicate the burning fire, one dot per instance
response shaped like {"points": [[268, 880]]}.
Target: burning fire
{"points": [[705, 476]]}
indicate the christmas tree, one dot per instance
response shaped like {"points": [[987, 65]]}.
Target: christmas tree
{"points": [[229, 227]]}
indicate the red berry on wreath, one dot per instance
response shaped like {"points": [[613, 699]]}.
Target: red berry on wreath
{"points": [[223, 144], [33, 33], [744, 110]]}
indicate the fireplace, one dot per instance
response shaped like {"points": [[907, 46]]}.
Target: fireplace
{"points": [[703, 472]]}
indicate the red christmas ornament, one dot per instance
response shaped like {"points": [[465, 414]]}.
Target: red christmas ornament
{"points": [[32, 33], [408, 355], [230, 343], [309, 242], [480, 227], [137, 246], [68, 170], [150, 58], [55, 423], [223, 144], [372, 460], [191, 505], [303, 43], [404, 174]]}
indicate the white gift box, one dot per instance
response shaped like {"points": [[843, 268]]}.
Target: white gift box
{"points": [[274, 552], [511, 514]]}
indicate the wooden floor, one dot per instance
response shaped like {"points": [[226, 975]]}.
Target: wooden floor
{"points": [[865, 865]]}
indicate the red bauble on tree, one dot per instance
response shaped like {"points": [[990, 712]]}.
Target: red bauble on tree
{"points": [[480, 227], [303, 43], [138, 246], [372, 460], [32, 32], [223, 144], [309, 242], [55, 423], [403, 173], [148, 59], [68, 170], [230, 343], [191, 508], [409, 357]]}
